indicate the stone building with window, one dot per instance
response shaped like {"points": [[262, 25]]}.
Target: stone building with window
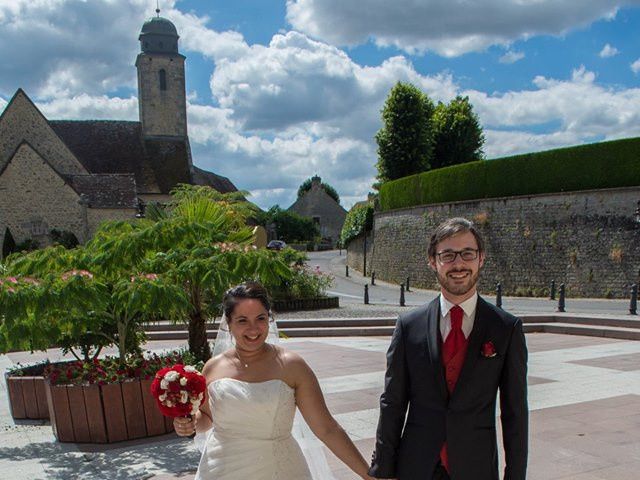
{"points": [[71, 175], [322, 209]]}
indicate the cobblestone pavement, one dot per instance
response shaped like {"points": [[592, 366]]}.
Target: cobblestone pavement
{"points": [[584, 395]]}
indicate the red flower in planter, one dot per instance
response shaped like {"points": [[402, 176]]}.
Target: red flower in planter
{"points": [[179, 390], [488, 350]]}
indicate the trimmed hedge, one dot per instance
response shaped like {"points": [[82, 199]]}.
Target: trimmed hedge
{"points": [[599, 165]]}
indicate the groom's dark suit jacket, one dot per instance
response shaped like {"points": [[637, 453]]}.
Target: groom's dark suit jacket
{"points": [[417, 414]]}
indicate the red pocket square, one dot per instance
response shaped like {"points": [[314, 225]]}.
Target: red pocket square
{"points": [[488, 350]]}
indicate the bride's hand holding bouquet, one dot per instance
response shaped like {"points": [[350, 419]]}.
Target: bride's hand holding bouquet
{"points": [[179, 392]]}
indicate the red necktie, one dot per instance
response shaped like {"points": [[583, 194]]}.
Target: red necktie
{"points": [[454, 342]]}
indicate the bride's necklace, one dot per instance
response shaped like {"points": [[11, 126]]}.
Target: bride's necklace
{"points": [[242, 362], [246, 365]]}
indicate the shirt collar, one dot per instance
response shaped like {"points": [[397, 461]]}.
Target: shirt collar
{"points": [[469, 305]]}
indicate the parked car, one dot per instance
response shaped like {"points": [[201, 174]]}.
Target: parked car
{"points": [[276, 245]]}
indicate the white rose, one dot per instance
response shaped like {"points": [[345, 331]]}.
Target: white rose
{"points": [[171, 376], [190, 369], [194, 409], [183, 381], [164, 385], [184, 396], [162, 397], [169, 403]]}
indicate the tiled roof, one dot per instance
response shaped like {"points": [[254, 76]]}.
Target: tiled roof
{"points": [[109, 147], [158, 164], [106, 191], [220, 183]]}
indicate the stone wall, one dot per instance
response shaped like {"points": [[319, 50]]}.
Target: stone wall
{"points": [[35, 199], [317, 204], [162, 112], [588, 240], [21, 121], [355, 253]]}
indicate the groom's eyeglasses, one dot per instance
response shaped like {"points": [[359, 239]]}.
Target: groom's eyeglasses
{"points": [[449, 256]]}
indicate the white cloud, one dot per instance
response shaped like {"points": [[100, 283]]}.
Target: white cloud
{"points": [[447, 27], [511, 57], [68, 47], [293, 108], [635, 66], [86, 106], [608, 51]]}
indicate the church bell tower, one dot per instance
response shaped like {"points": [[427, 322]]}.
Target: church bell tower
{"points": [[161, 83]]}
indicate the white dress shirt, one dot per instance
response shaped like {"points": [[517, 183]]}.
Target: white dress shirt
{"points": [[469, 307]]}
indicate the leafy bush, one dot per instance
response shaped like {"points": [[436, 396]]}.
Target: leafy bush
{"points": [[358, 220], [305, 282], [599, 165]]}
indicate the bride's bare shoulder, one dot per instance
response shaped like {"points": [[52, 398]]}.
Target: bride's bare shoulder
{"points": [[213, 364], [292, 361]]}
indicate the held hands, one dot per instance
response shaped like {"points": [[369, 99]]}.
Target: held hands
{"points": [[184, 426]]}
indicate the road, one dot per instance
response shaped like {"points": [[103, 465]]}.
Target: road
{"points": [[351, 291]]}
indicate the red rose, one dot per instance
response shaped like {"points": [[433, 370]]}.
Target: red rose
{"points": [[488, 350]]}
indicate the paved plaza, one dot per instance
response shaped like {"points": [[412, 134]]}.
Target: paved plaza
{"points": [[584, 396]]}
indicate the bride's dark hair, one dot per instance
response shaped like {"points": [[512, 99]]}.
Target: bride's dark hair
{"points": [[249, 289]]}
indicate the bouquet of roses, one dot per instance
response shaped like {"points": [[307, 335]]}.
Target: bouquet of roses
{"points": [[179, 390]]}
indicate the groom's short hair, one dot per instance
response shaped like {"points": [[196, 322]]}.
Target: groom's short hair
{"points": [[451, 227]]}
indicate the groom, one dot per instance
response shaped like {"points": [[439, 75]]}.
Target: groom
{"points": [[445, 365]]}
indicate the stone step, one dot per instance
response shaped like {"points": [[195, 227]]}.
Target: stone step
{"points": [[292, 323], [334, 331], [618, 321], [584, 330], [620, 328]]}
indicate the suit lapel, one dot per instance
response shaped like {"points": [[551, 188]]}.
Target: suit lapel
{"points": [[473, 348], [434, 341]]}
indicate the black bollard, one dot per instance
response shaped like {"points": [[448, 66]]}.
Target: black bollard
{"points": [[407, 289], [552, 295], [498, 295], [373, 278], [633, 306], [366, 294], [561, 299], [402, 294], [346, 269]]}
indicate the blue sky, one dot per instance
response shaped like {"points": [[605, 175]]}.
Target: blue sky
{"points": [[281, 90]]}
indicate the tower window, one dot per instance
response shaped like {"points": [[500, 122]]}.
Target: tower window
{"points": [[162, 76]]}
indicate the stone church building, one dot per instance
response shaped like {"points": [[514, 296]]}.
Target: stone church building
{"points": [[72, 175], [319, 206]]}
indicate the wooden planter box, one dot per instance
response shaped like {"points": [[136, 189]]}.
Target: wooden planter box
{"points": [[305, 304], [105, 414], [27, 397]]}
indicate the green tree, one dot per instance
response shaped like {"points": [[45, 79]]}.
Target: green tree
{"points": [[458, 136], [306, 186], [201, 242], [405, 139], [175, 266], [290, 226]]}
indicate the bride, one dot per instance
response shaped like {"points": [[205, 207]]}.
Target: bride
{"points": [[253, 389]]}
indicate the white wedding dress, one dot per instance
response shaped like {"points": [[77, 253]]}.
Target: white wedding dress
{"points": [[251, 435]]}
